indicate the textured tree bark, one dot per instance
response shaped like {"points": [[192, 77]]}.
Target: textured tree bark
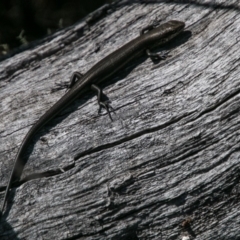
{"points": [[167, 167]]}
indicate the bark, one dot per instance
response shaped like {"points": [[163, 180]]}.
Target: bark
{"points": [[167, 167]]}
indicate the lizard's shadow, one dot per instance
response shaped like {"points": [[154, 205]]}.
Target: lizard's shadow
{"points": [[183, 37]]}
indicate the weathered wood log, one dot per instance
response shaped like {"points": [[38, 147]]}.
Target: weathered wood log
{"points": [[167, 167]]}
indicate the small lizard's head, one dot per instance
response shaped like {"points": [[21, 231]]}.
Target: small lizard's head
{"points": [[173, 28], [165, 32]]}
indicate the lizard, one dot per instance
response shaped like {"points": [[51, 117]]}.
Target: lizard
{"points": [[150, 37]]}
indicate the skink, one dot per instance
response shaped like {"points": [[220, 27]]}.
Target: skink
{"points": [[150, 37]]}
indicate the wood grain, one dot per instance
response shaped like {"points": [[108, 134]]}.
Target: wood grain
{"points": [[167, 167]]}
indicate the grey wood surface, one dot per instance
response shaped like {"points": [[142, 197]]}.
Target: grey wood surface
{"points": [[167, 167]]}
